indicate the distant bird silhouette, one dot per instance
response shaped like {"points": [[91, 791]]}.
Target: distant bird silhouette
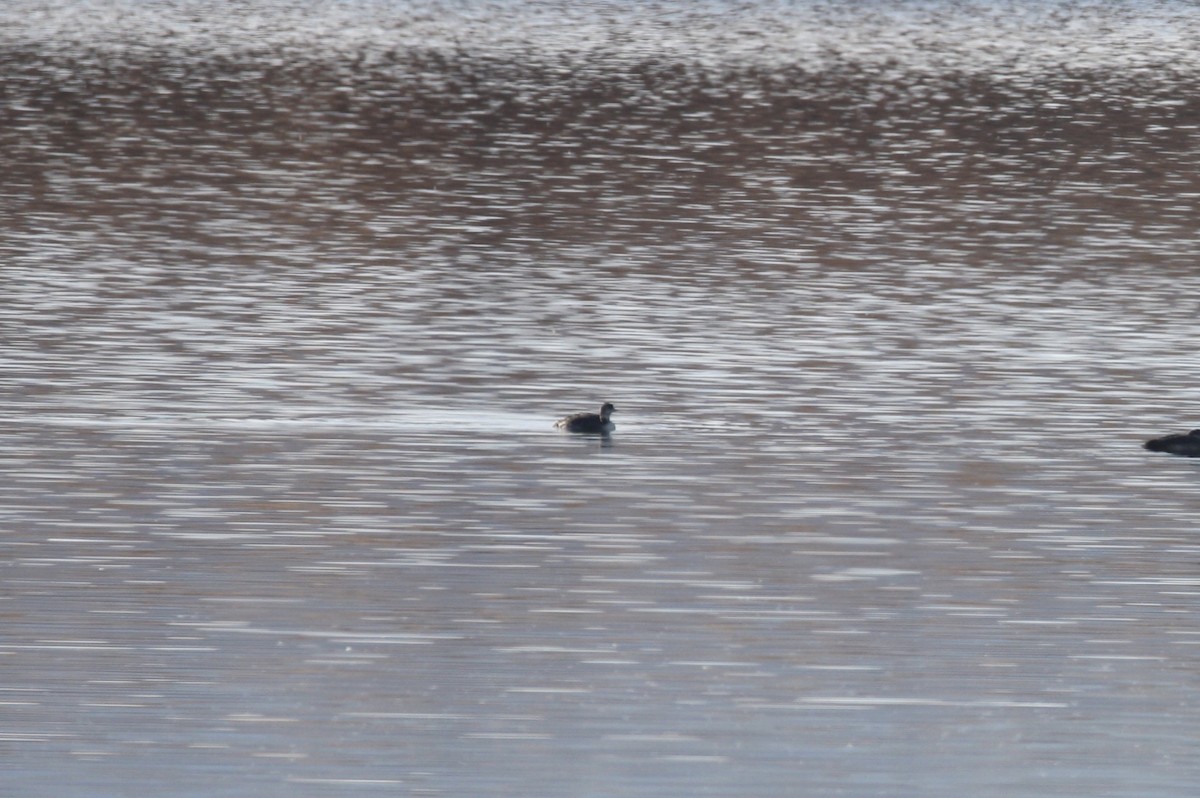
{"points": [[1187, 445], [593, 423]]}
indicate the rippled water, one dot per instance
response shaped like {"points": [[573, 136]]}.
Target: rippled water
{"points": [[887, 295]]}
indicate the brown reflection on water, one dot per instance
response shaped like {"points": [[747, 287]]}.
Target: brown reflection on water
{"points": [[432, 154]]}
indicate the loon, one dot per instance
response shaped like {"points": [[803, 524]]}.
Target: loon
{"points": [[1187, 445], [594, 423]]}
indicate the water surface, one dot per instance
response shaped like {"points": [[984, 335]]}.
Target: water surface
{"points": [[888, 298]]}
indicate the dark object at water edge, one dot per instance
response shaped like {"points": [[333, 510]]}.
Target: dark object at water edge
{"points": [[1186, 445]]}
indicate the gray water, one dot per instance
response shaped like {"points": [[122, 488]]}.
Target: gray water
{"points": [[887, 295]]}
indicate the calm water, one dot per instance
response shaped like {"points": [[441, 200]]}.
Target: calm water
{"points": [[887, 295]]}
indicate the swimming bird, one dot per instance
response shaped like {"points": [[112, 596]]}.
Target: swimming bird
{"points": [[1187, 445], [594, 423]]}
